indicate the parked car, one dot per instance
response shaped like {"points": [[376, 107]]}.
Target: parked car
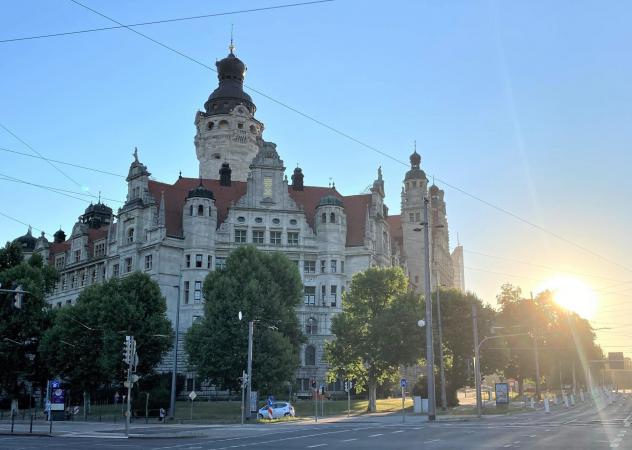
{"points": [[279, 409]]}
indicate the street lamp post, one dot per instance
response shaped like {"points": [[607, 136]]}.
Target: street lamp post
{"points": [[251, 328], [174, 372], [427, 295]]}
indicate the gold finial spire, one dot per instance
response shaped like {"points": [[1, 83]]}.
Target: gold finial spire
{"points": [[415, 144], [231, 47]]}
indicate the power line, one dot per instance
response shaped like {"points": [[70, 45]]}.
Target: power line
{"points": [[19, 221], [35, 151], [54, 189], [156, 22], [63, 162], [50, 189], [544, 266], [368, 146]]}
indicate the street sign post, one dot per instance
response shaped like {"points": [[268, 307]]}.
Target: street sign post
{"points": [[348, 387], [403, 383], [502, 393], [192, 397]]}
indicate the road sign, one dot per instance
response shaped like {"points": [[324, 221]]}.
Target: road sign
{"points": [[616, 361], [192, 395], [403, 382], [135, 378], [502, 393]]}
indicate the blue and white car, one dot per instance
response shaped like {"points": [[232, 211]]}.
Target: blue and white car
{"points": [[276, 410]]}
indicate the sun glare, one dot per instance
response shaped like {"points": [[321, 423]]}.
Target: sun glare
{"points": [[573, 294]]}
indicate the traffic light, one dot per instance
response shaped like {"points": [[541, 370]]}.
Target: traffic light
{"points": [[127, 350], [17, 297]]}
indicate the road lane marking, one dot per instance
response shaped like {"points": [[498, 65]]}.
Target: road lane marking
{"points": [[376, 435], [316, 445], [349, 440], [398, 431]]}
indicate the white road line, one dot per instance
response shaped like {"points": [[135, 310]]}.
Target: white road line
{"points": [[398, 431], [376, 435], [349, 440], [317, 445]]}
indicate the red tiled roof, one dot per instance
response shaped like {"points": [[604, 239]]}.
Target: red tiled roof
{"points": [[395, 226], [355, 207], [58, 247], [175, 196]]}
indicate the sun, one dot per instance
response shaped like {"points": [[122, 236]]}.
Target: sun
{"points": [[572, 294]]}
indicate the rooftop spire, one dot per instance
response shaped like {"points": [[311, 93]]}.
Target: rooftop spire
{"points": [[231, 47]]}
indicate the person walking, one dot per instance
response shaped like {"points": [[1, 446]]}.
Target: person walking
{"points": [[162, 414]]}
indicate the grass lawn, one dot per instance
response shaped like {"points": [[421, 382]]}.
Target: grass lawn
{"points": [[230, 411]]}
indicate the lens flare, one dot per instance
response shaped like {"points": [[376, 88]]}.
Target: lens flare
{"points": [[572, 294]]}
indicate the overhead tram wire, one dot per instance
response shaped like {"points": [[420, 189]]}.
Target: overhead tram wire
{"points": [[105, 172], [157, 22], [368, 146], [5, 177], [19, 221], [473, 252], [35, 151]]}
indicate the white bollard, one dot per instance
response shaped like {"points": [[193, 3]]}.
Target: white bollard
{"points": [[581, 396], [565, 400], [532, 403], [547, 410], [555, 399], [572, 399]]}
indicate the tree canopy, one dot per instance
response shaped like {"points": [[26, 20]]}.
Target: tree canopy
{"points": [[21, 329], [85, 343], [266, 288], [377, 330]]}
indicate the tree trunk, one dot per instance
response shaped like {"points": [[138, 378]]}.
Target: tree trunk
{"points": [[520, 387], [86, 402], [372, 407]]}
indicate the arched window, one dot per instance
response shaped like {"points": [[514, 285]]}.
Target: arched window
{"points": [[332, 218], [311, 327], [191, 210], [210, 125], [223, 124], [130, 235], [200, 210], [324, 218], [310, 355]]}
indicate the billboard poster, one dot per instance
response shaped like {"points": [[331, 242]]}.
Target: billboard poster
{"points": [[502, 393]]}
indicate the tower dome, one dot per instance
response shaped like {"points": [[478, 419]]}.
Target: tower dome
{"points": [[329, 200], [415, 171], [201, 192], [230, 92], [27, 242]]}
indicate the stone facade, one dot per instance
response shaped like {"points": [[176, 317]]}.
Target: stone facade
{"points": [[179, 232]]}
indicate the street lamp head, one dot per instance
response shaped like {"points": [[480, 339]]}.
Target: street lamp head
{"points": [[240, 315], [421, 323]]}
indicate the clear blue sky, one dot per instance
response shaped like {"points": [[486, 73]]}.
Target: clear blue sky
{"points": [[526, 104]]}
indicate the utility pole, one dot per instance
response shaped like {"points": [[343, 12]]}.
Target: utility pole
{"points": [[537, 366], [444, 398], [174, 371], [428, 297], [477, 359], [251, 327]]}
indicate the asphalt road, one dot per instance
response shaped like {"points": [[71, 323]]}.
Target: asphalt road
{"points": [[583, 427]]}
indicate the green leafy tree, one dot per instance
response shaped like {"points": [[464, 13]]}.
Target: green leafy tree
{"points": [[376, 332], [84, 345], [266, 288], [21, 329], [458, 340]]}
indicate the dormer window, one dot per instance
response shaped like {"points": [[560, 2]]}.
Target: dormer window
{"points": [[332, 218], [200, 210], [323, 218], [130, 236]]}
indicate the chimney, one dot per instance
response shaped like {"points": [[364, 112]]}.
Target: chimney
{"points": [[297, 179], [224, 175]]}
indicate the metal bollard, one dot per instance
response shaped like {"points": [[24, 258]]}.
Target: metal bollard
{"points": [[31, 426], [547, 409], [50, 427], [12, 420]]}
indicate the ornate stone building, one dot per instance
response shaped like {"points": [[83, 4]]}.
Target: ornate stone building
{"points": [[178, 232]]}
